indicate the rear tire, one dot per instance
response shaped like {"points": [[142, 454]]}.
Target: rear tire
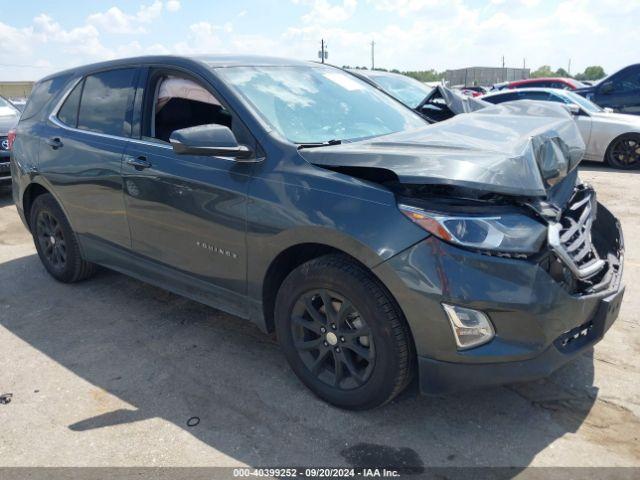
{"points": [[56, 243], [357, 353], [624, 152]]}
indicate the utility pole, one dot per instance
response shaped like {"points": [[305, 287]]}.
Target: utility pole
{"points": [[504, 79], [373, 56], [323, 54], [569, 70]]}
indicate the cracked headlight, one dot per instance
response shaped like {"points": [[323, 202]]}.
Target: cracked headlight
{"points": [[510, 232]]}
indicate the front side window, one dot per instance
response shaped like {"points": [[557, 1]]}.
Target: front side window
{"points": [[179, 103], [315, 104], [408, 90], [107, 98], [628, 82], [579, 100]]}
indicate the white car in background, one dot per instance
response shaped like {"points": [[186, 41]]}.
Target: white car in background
{"points": [[610, 137]]}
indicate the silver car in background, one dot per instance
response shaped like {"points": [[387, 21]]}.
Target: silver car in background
{"points": [[610, 137], [9, 116]]}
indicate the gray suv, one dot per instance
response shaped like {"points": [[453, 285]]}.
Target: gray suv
{"points": [[377, 247]]}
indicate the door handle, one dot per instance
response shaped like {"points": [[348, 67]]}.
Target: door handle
{"points": [[139, 163], [55, 143]]}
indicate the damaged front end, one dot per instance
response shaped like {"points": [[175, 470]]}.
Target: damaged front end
{"points": [[501, 181], [585, 246], [570, 235]]}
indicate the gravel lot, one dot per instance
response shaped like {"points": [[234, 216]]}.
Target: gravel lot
{"points": [[108, 372]]}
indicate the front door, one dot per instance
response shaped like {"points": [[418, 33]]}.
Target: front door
{"points": [[185, 212]]}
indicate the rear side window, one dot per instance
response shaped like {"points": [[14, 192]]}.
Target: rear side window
{"points": [[68, 114], [41, 94], [107, 100], [540, 84], [524, 95], [627, 82], [506, 97]]}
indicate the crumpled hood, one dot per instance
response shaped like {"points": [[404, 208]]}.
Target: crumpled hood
{"points": [[457, 102], [519, 148]]}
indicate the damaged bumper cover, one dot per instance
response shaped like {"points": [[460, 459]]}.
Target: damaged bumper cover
{"points": [[543, 315]]}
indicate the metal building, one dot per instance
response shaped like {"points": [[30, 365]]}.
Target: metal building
{"points": [[15, 89], [484, 76]]}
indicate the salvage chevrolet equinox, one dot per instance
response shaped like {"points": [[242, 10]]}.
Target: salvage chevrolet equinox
{"points": [[377, 247]]}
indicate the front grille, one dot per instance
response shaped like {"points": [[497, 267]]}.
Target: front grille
{"points": [[570, 237]]}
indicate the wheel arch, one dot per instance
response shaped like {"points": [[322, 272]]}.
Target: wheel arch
{"points": [[294, 256], [282, 265], [33, 191]]}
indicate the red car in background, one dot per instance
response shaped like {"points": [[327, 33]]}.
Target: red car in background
{"points": [[549, 82]]}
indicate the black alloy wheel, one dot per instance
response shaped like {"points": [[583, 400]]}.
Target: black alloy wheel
{"points": [[332, 339], [56, 242], [343, 333], [51, 239], [624, 152]]}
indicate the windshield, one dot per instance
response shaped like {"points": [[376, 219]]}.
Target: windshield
{"points": [[7, 107], [408, 90], [315, 104], [585, 104]]}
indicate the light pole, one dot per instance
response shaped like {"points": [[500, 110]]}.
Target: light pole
{"points": [[373, 57]]}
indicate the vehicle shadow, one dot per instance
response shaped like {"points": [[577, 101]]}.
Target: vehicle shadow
{"points": [[588, 166], [174, 359]]}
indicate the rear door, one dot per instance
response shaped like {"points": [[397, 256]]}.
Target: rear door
{"points": [[187, 212], [81, 154]]}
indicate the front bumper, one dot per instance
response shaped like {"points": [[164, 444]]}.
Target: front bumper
{"points": [[5, 169], [437, 377], [531, 311]]}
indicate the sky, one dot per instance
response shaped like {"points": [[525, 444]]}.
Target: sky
{"points": [[38, 37]]}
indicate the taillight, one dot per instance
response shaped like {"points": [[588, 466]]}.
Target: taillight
{"points": [[11, 137]]}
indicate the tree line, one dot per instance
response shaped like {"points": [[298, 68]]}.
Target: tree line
{"points": [[594, 72]]}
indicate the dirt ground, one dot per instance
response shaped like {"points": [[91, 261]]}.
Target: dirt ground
{"points": [[110, 371]]}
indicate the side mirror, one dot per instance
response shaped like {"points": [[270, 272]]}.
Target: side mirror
{"points": [[606, 88], [208, 140], [607, 110], [574, 109]]}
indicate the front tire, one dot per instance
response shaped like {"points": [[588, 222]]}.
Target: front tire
{"points": [[343, 334], [56, 242], [624, 152]]}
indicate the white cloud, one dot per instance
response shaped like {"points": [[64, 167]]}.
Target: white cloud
{"points": [[408, 7], [409, 34], [115, 20], [173, 5], [325, 11]]}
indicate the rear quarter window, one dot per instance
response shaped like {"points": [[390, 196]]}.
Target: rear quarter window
{"points": [[68, 114], [41, 94]]}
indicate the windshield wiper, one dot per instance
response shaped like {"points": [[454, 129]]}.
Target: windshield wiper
{"points": [[319, 144]]}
